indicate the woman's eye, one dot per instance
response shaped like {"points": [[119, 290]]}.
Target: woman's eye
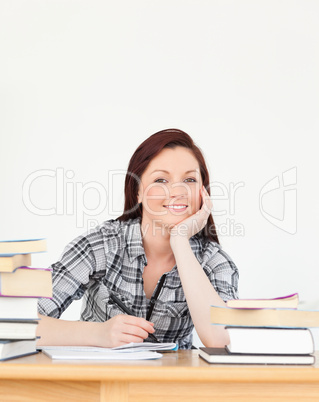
{"points": [[190, 180], [160, 181]]}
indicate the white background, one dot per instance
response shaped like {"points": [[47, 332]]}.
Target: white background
{"points": [[83, 83]]}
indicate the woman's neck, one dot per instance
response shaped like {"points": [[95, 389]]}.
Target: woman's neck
{"points": [[156, 242]]}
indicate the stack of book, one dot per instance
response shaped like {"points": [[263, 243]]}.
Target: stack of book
{"points": [[20, 288], [264, 331]]}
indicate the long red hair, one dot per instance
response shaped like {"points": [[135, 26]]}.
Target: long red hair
{"points": [[141, 158]]}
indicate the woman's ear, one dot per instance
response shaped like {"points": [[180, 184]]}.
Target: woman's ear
{"points": [[139, 198]]}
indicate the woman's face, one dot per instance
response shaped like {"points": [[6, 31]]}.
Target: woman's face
{"points": [[170, 187]]}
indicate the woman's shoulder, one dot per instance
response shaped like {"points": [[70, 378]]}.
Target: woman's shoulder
{"points": [[115, 233], [114, 228], [92, 247], [109, 234]]}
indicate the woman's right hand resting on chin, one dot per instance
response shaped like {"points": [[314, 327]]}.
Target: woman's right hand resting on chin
{"points": [[117, 331]]}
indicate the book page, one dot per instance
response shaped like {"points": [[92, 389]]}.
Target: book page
{"points": [[105, 355], [128, 348]]}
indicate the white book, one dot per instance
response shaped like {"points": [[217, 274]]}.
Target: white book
{"points": [[281, 341], [10, 349], [223, 356], [18, 308], [104, 355], [18, 330]]}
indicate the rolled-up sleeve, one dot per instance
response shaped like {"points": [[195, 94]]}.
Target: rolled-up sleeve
{"points": [[223, 274], [70, 277]]}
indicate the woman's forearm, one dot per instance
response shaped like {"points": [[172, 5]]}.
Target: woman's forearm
{"points": [[116, 331], [200, 294], [53, 331]]}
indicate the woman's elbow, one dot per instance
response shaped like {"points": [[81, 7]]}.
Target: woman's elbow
{"points": [[218, 338]]}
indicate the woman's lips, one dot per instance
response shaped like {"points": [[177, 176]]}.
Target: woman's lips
{"points": [[176, 207]]}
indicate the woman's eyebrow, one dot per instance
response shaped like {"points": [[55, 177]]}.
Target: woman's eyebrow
{"points": [[165, 171]]}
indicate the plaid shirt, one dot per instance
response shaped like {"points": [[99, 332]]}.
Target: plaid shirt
{"points": [[111, 260]]}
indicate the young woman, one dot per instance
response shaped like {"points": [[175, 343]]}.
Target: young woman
{"points": [[161, 259]]}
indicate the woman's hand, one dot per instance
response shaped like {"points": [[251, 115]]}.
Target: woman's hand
{"points": [[123, 329], [194, 223]]}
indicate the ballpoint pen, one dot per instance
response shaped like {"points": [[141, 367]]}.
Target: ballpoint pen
{"points": [[126, 310]]}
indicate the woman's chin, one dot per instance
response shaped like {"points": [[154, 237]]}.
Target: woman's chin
{"points": [[167, 220], [175, 220]]}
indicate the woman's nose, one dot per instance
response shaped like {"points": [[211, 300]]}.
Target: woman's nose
{"points": [[178, 190]]}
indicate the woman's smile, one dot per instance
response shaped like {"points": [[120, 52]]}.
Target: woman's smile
{"points": [[176, 207]]}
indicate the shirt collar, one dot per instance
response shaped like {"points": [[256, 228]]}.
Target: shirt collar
{"points": [[134, 240]]}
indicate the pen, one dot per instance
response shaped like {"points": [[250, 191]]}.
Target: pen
{"points": [[126, 310]]}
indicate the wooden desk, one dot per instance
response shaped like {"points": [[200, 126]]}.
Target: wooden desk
{"points": [[177, 376]]}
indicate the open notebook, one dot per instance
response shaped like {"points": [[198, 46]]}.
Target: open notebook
{"points": [[131, 351]]}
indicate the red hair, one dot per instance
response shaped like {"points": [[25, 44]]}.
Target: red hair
{"points": [[151, 147]]}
